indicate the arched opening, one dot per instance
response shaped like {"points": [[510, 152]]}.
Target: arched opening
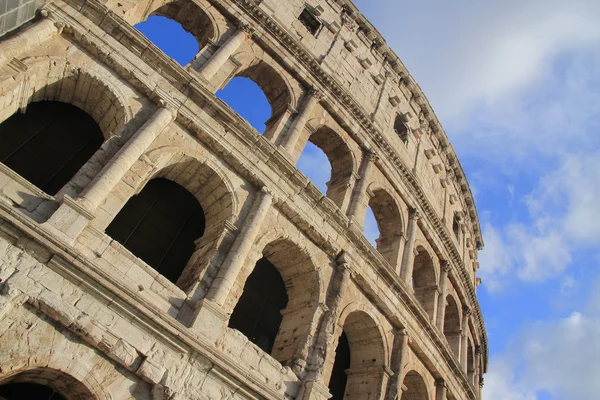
{"points": [[471, 363], [43, 384], [247, 99], [160, 225], [314, 164], [171, 37], [258, 312], [339, 158], [400, 128], [179, 28], [365, 376], [389, 223], [456, 226], [337, 383], [452, 325], [250, 103], [424, 281], [49, 143], [371, 229], [283, 302], [415, 387]]}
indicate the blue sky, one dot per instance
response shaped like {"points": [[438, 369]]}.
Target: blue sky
{"points": [[516, 84]]}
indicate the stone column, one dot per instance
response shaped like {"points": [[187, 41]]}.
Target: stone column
{"points": [[290, 140], [234, 261], [314, 388], [360, 191], [218, 60], [27, 39], [441, 389], [441, 308], [97, 191], [394, 388], [464, 338], [408, 256]]}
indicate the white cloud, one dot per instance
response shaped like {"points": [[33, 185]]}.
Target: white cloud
{"points": [[466, 51], [564, 210], [556, 356]]}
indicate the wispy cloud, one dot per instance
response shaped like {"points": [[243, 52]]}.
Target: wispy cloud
{"points": [[554, 356]]}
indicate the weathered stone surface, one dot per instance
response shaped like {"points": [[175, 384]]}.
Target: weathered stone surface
{"points": [[88, 317]]}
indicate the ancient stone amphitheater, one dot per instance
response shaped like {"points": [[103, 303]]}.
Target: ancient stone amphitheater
{"points": [[153, 245]]}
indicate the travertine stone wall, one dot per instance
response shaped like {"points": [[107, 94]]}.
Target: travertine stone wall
{"points": [[87, 317]]}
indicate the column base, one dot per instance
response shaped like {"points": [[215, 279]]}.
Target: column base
{"points": [[210, 320], [315, 391], [69, 220]]}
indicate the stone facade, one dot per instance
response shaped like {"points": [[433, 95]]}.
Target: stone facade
{"points": [[85, 316]]}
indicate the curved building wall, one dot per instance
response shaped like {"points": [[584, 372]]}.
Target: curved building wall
{"points": [[406, 308]]}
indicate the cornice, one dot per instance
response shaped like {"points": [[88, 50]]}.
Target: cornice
{"points": [[189, 86]]}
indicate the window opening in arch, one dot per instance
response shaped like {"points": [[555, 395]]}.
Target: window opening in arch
{"points": [[456, 225], [400, 128], [452, 325], [470, 363], [310, 21], [160, 225], [338, 380], [49, 143], [29, 391], [389, 222], [247, 99], [170, 36], [415, 387], [372, 232], [313, 163], [258, 312], [424, 282]]}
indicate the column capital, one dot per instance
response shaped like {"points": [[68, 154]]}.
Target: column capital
{"points": [[316, 93], [245, 28], [445, 266], [164, 104], [414, 213], [372, 156], [266, 190], [440, 382], [467, 311]]}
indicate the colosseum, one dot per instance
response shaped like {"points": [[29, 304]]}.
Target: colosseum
{"points": [[154, 245]]}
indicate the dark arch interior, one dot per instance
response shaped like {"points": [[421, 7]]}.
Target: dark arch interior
{"points": [[258, 312], [400, 128], [337, 383], [160, 226], [49, 143], [28, 391]]}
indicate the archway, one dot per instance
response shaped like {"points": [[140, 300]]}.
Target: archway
{"points": [[247, 99], [400, 128], [44, 384], [362, 343], [171, 37], [414, 387], [471, 363], [49, 143], [179, 28], [389, 222], [160, 226], [340, 160], [452, 325], [292, 273], [258, 312], [424, 281]]}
